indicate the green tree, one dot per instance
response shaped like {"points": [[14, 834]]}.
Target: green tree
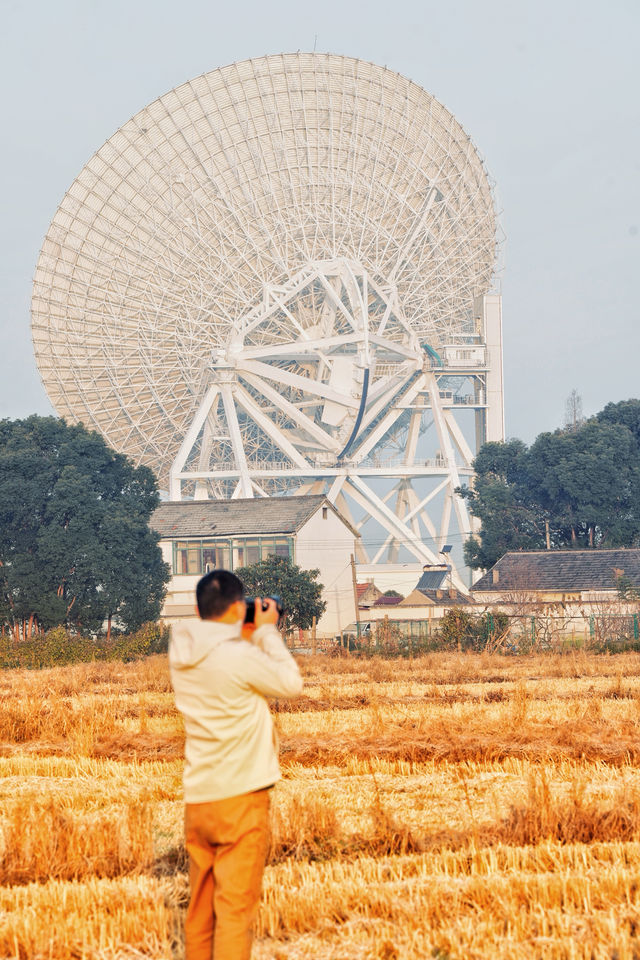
{"points": [[581, 485], [501, 499], [626, 413], [627, 589], [299, 589], [75, 542], [588, 481]]}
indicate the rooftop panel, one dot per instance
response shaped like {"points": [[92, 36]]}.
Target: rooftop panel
{"points": [[432, 579]]}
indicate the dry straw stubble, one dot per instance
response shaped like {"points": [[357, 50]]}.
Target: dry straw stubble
{"points": [[388, 840]]}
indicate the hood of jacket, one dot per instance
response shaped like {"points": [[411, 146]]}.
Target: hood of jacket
{"points": [[193, 640]]}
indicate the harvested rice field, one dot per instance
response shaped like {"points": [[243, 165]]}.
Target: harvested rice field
{"points": [[450, 806]]}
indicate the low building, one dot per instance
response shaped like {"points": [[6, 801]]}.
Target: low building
{"points": [[367, 594], [387, 601], [434, 589], [573, 589], [390, 576], [198, 535], [558, 576], [418, 613]]}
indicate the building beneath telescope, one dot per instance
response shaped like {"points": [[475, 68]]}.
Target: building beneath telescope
{"points": [[201, 535]]}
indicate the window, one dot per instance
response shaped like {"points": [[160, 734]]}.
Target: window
{"points": [[268, 549], [325, 513], [237, 553], [283, 548], [215, 556], [187, 558], [195, 557], [252, 548]]}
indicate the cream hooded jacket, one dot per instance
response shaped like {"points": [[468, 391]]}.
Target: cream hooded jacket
{"points": [[220, 682]]}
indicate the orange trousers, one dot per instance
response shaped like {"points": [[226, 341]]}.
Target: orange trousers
{"points": [[227, 845]]}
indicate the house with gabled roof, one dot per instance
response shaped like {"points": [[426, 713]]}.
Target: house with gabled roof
{"points": [[201, 535], [557, 575], [575, 589], [434, 588], [367, 594]]}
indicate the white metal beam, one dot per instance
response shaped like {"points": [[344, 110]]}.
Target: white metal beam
{"points": [[341, 504], [422, 504], [336, 487], [270, 428], [236, 439], [444, 437], [419, 227], [417, 512], [397, 470], [445, 519], [385, 424], [458, 437], [300, 348], [175, 486], [364, 495], [305, 384], [413, 435], [304, 422]]}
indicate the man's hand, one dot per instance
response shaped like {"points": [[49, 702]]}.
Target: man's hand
{"points": [[270, 615]]}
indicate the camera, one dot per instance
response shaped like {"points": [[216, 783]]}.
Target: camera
{"points": [[250, 615]]}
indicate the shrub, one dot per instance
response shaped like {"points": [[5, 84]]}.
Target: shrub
{"points": [[55, 648], [463, 630], [457, 629], [149, 639], [59, 646]]}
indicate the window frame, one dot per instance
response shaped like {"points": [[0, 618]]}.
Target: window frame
{"points": [[230, 546]]}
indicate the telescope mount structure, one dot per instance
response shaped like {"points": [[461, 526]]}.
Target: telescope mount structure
{"points": [[277, 279]]}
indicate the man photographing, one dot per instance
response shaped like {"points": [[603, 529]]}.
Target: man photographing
{"points": [[222, 670]]}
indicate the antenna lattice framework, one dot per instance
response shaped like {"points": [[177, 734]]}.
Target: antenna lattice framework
{"points": [[275, 279]]}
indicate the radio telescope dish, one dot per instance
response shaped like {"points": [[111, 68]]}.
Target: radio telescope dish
{"points": [[248, 276]]}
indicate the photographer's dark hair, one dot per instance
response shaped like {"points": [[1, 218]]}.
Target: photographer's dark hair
{"points": [[215, 593]]}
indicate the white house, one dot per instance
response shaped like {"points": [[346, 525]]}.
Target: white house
{"points": [[198, 535]]}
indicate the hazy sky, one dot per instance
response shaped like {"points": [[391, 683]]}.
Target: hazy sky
{"points": [[549, 91]]}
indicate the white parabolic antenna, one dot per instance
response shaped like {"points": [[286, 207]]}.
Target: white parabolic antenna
{"points": [[276, 279]]}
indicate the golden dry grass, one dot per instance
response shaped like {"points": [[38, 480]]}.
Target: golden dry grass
{"points": [[449, 806]]}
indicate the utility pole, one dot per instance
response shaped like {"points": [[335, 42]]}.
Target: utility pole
{"points": [[355, 594], [546, 533]]}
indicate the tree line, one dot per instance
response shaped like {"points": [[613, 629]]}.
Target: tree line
{"points": [[576, 487], [76, 548], [75, 543]]}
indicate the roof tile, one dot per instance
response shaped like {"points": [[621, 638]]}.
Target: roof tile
{"points": [[230, 518], [566, 571]]}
